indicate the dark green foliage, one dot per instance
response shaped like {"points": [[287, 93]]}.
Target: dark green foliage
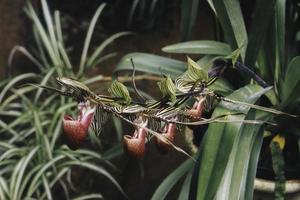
{"points": [[278, 167]]}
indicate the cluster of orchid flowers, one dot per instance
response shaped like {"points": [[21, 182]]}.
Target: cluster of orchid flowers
{"points": [[170, 111], [76, 130]]}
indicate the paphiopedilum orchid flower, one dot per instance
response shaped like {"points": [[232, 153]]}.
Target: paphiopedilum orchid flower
{"points": [[168, 132], [198, 108], [76, 130], [135, 145]]}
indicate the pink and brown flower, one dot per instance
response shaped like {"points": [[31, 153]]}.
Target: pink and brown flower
{"points": [[197, 110], [168, 132], [135, 145], [76, 130]]}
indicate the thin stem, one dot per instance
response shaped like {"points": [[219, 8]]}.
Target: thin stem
{"points": [[247, 70], [133, 82]]}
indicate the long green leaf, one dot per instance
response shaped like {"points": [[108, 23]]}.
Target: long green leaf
{"points": [[230, 16], [262, 17], [89, 196], [207, 47], [290, 87], [35, 181], [101, 47], [236, 173], [60, 41], [51, 29], [57, 115], [15, 96], [97, 169], [27, 179], [6, 127], [47, 188], [168, 183], [10, 153], [42, 34], [279, 39], [14, 81], [252, 166], [221, 86], [20, 172], [132, 11], [219, 141], [115, 151], [43, 82], [152, 64], [58, 29], [185, 189], [189, 10], [65, 56], [56, 133], [57, 178], [89, 37], [26, 53], [3, 188]]}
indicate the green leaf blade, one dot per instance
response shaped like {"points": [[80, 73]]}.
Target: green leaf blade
{"points": [[219, 141], [230, 16], [291, 84], [152, 64], [164, 188], [207, 47], [262, 17]]}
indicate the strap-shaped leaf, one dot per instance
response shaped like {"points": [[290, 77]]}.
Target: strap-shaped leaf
{"points": [[118, 89], [238, 179], [153, 64], [218, 143], [262, 17], [207, 47], [230, 15], [289, 89], [164, 188], [167, 88]]}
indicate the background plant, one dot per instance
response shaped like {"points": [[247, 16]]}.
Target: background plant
{"points": [[34, 163]]}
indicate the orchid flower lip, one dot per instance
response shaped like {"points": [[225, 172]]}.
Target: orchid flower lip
{"points": [[68, 117], [76, 130]]}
